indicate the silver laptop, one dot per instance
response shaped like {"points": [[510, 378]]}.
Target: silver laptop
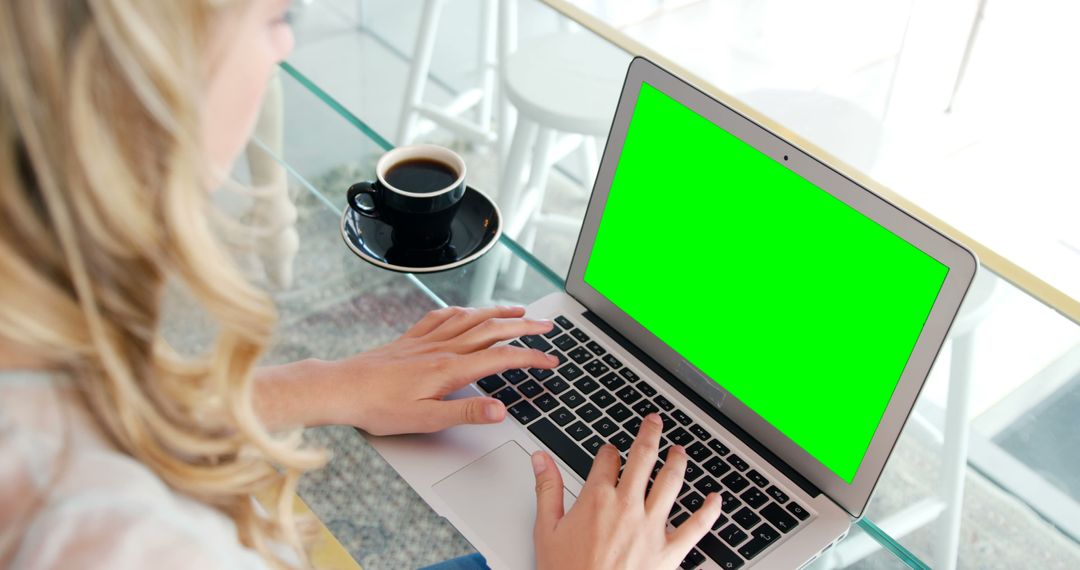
{"points": [[780, 317]]}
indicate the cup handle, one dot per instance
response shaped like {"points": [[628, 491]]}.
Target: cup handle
{"points": [[358, 189]]}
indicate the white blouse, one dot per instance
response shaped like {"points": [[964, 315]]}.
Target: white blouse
{"points": [[99, 508]]}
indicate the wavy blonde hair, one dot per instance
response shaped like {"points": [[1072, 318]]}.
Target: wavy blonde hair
{"points": [[104, 199]]}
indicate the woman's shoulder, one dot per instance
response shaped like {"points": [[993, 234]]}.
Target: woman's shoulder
{"points": [[86, 505]]}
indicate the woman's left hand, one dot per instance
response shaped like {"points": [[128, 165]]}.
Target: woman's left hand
{"points": [[399, 387]]}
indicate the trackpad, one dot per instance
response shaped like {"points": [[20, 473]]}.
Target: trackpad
{"points": [[495, 497]]}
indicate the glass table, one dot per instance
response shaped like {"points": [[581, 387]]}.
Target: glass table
{"points": [[337, 105]]}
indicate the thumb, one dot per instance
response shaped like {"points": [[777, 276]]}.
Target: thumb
{"points": [[549, 491]]}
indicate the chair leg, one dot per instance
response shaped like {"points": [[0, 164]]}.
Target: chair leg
{"points": [[538, 175], [488, 62], [418, 71]]}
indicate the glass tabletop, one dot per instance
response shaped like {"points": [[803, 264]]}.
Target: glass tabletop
{"points": [[340, 102]]}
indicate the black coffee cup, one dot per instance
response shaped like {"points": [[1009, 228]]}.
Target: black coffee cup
{"points": [[417, 191]]}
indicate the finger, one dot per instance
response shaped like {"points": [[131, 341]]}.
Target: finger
{"points": [[467, 318], [690, 532], [549, 492], [494, 330], [605, 469], [431, 320], [668, 482], [468, 367], [642, 458], [442, 414]]}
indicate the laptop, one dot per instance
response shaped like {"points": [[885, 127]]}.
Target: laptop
{"points": [[779, 316]]}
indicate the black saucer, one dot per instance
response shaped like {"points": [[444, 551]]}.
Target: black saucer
{"points": [[476, 228]]}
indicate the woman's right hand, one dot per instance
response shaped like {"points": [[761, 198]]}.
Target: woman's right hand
{"points": [[614, 524]]}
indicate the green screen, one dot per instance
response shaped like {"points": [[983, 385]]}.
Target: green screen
{"points": [[798, 305]]}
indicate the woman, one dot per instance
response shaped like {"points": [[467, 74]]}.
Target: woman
{"points": [[117, 117]]}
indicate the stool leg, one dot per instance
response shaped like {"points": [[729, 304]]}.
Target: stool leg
{"points": [[538, 175], [954, 451], [488, 21], [418, 71]]}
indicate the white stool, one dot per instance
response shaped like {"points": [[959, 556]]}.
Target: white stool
{"points": [[566, 83]]}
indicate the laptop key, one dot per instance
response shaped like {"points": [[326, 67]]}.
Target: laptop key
{"points": [[619, 412], [681, 417], [611, 361], [596, 348], [589, 413], [579, 355], [692, 560], [717, 446], [729, 502], [586, 385], [669, 424], [572, 399], [570, 372], [593, 444], [579, 335], [628, 394], [720, 554], [579, 431], [564, 322], [680, 436], [779, 518], [692, 472], [746, 518], [754, 497], [633, 426], [719, 522], [629, 375], [777, 495], [622, 441], [797, 510], [524, 412], [530, 389], [699, 431], [556, 385], [738, 463], [692, 501], [763, 536], [490, 383], [645, 407], [735, 482], [680, 518], [517, 343], [646, 389], [717, 467], [664, 403], [541, 373], [562, 357], [596, 369], [698, 452], [562, 416], [612, 382], [507, 396], [564, 342], [602, 399], [562, 446], [546, 402], [707, 485], [757, 478], [536, 341], [605, 427], [732, 534], [555, 331], [514, 375]]}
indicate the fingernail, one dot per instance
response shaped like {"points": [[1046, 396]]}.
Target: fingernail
{"points": [[539, 465], [553, 359], [492, 411], [654, 418], [678, 449]]}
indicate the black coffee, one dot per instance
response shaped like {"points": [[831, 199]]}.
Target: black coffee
{"points": [[421, 176]]}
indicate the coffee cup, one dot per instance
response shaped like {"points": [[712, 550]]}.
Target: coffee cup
{"points": [[417, 191]]}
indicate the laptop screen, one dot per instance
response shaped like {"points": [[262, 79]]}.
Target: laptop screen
{"points": [[795, 303]]}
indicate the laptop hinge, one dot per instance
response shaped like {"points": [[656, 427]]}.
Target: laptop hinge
{"points": [[701, 403]]}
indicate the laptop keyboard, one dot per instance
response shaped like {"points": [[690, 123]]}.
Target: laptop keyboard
{"points": [[592, 398]]}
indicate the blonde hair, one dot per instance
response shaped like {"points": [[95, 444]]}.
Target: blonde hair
{"points": [[104, 199]]}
